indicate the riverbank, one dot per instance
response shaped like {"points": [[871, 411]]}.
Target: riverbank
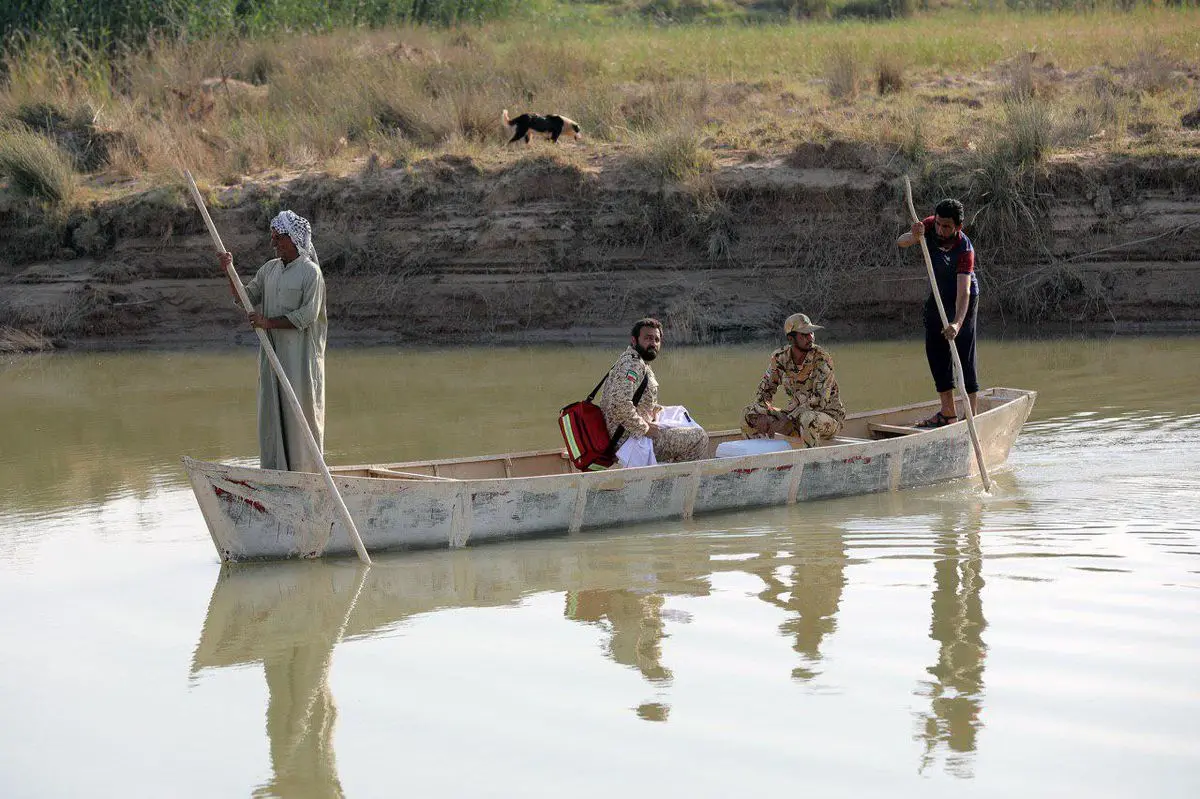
{"points": [[568, 245], [716, 188]]}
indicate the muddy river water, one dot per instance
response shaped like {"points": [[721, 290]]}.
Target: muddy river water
{"points": [[1042, 640]]}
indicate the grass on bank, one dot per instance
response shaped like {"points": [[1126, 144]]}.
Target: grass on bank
{"points": [[1119, 81], [13, 341], [973, 103], [36, 168]]}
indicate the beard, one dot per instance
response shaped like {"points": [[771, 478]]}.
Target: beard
{"points": [[804, 345], [646, 355]]}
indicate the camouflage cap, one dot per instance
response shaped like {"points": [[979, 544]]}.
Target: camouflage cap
{"points": [[799, 323]]}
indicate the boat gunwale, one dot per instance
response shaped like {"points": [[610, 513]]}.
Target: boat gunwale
{"points": [[662, 469]]}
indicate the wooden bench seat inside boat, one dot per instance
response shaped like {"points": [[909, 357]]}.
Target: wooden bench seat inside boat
{"points": [[379, 471], [879, 430]]}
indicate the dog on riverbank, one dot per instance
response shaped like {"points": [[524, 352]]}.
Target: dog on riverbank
{"points": [[551, 125]]}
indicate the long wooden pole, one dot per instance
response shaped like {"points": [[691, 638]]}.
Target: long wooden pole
{"points": [[958, 370], [285, 384]]}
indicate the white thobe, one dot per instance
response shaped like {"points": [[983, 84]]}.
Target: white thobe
{"points": [[295, 290]]}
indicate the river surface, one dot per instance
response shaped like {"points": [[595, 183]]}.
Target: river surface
{"points": [[1043, 640]]}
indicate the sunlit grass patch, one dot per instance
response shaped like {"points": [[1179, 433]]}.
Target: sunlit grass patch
{"points": [[402, 93], [35, 167], [674, 155]]}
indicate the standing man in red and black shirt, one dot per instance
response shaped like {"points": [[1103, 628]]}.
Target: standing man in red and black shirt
{"points": [[954, 269]]}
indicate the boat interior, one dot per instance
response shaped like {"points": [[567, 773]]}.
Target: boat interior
{"points": [[859, 427]]}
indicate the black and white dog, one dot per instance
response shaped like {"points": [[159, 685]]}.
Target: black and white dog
{"points": [[552, 125]]}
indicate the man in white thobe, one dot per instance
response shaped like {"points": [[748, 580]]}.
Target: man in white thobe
{"points": [[288, 295]]}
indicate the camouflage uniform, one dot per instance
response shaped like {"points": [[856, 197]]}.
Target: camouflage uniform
{"points": [[815, 411], [673, 444]]}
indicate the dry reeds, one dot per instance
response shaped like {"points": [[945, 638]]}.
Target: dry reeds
{"points": [[889, 74], [412, 91], [1026, 133], [1022, 84], [1152, 70], [676, 155], [13, 340], [35, 167], [842, 76]]}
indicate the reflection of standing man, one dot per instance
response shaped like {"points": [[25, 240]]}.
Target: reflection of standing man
{"points": [[953, 259], [300, 722], [956, 692], [290, 617], [288, 293]]}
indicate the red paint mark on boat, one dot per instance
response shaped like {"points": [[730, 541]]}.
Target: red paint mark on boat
{"points": [[228, 497], [784, 468], [744, 471], [858, 459]]}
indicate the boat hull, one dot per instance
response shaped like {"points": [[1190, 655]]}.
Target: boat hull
{"points": [[265, 514]]}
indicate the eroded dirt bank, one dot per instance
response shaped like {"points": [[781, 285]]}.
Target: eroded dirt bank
{"points": [[548, 250]]}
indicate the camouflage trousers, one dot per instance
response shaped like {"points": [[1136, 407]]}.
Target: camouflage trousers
{"points": [[810, 426], [679, 444]]}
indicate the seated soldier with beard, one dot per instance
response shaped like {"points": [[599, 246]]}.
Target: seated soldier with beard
{"points": [[671, 444]]}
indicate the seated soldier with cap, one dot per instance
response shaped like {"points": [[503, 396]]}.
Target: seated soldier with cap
{"points": [[815, 411]]}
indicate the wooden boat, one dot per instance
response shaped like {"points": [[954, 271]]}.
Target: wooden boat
{"points": [[265, 514]]}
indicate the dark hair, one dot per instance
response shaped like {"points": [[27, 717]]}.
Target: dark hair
{"points": [[646, 322], [950, 209]]}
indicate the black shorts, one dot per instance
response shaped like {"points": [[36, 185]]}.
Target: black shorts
{"points": [[937, 350]]}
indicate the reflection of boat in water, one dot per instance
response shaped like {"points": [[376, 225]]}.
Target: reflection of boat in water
{"points": [[256, 513], [635, 590], [291, 616]]}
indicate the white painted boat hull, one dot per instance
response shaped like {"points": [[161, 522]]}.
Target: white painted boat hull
{"points": [[265, 514]]}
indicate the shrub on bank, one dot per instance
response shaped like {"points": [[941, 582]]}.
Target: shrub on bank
{"points": [[674, 156], [35, 167]]}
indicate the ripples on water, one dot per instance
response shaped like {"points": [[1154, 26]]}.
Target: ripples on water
{"points": [[1040, 640]]}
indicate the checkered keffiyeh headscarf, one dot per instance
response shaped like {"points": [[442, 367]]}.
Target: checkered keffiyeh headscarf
{"points": [[296, 228]]}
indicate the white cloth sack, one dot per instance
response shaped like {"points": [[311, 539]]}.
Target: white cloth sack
{"points": [[675, 416], [639, 450], [636, 451]]}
